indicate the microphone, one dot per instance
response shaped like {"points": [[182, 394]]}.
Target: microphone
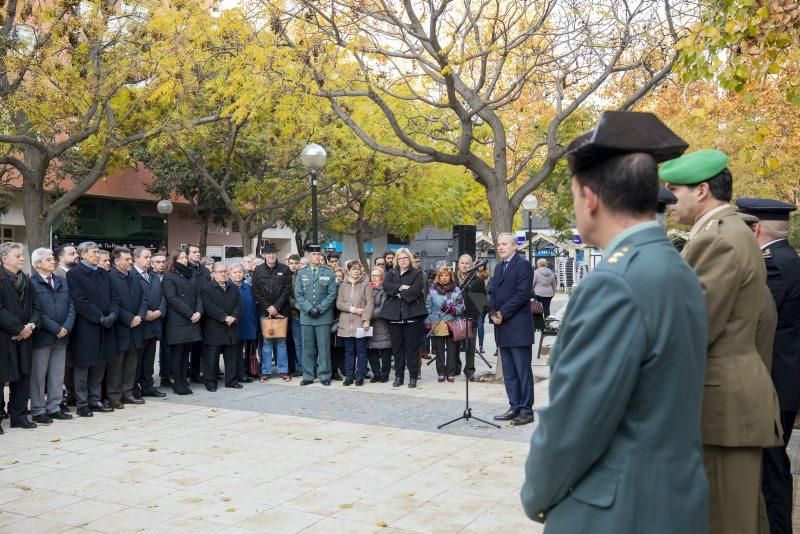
{"points": [[477, 265]]}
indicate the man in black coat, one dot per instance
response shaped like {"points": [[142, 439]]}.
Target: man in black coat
{"points": [[272, 287], [203, 276], [121, 372], [222, 304], [783, 280], [19, 317], [96, 310], [152, 327]]}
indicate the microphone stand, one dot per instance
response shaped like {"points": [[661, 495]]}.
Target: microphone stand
{"points": [[467, 415]]}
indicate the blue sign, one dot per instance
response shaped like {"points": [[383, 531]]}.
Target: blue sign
{"points": [[577, 239], [520, 239]]}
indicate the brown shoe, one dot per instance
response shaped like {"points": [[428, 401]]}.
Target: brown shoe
{"points": [[522, 419], [132, 400], [117, 405]]}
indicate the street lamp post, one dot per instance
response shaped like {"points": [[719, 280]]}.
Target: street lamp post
{"points": [[164, 207], [313, 158], [530, 203]]}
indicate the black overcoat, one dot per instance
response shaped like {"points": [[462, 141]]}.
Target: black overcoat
{"points": [[16, 310], [155, 301], [132, 303], [183, 300], [785, 289], [90, 291], [409, 303], [219, 304]]}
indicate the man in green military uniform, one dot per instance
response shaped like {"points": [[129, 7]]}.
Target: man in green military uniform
{"points": [[618, 448], [740, 408], [315, 292]]}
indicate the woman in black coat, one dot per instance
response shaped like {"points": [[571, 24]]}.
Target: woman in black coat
{"points": [[222, 304], [185, 308], [405, 310]]}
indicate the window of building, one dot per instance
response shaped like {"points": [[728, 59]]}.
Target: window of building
{"points": [[6, 234]]}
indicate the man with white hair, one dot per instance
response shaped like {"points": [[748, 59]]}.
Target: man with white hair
{"points": [[49, 341], [19, 318]]}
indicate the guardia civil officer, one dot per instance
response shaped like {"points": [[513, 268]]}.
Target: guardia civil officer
{"points": [[740, 408], [783, 278], [315, 291], [618, 448]]}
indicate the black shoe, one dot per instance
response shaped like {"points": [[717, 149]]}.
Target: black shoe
{"points": [[412, 382], [100, 407], [182, 390], [60, 415], [42, 419], [384, 379], [398, 381], [85, 411], [360, 382], [522, 419], [246, 380], [297, 374], [338, 378], [235, 386], [153, 392], [367, 376], [470, 376], [347, 382], [374, 380], [508, 416], [27, 425], [306, 382], [326, 382], [211, 387], [64, 408]]}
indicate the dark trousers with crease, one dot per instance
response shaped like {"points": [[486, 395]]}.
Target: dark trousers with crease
{"points": [[19, 393], [147, 363], [230, 358], [446, 350], [776, 480], [179, 354], [164, 360], [380, 361], [405, 346], [518, 378]]}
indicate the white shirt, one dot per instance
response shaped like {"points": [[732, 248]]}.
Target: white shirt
{"points": [[765, 245]]}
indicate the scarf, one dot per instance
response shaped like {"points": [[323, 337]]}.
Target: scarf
{"points": [[184, 270], [444, 289]]}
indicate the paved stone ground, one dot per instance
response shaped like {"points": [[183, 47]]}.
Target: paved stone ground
{"points": [[276, 457]]}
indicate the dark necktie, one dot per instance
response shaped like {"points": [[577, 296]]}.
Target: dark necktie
{"points": [[50, 282], [146, 276]]}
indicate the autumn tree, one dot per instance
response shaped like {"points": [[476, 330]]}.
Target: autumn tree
{"points": [[486, 86], [91, 78]]}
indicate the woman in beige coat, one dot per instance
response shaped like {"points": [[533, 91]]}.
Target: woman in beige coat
{"points": [[355, 305]]}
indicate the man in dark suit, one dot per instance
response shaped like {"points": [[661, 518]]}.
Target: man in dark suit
{"points": [[152, 327], [67, 258], [783, 280], [96, 311], [203, 277], [121, 372], [509, 299]]}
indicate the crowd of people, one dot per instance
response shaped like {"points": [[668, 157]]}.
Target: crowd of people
{"points": [[84, 329]]}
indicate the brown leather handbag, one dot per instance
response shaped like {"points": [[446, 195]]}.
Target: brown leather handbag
{"points": [[275, 327], [536, 307]]}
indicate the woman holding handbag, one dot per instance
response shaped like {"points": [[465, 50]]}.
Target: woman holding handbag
{"points": [[355, 304], [444, 304]]}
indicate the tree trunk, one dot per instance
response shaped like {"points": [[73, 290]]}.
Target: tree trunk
{"points": [[34, 204], [362, 255], [204, 224], [298, 240], [501, 209], [246, 233]]}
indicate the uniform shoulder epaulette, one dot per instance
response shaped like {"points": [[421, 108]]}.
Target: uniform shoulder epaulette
{"points": [[618, 255]]}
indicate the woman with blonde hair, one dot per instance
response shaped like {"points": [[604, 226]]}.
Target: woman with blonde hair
{"points": [[405, 310], [355, 304], [444, 303]]}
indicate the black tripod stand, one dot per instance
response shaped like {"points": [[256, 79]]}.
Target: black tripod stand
{"points": [[479, 302]]}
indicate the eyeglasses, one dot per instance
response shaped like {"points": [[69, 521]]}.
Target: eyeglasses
{"points": [[221, 272]]}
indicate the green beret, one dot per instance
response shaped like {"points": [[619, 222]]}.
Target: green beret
{"points": [[693, 168]]}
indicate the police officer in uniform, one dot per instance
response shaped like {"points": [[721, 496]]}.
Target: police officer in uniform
{"points": [[315, 291], [618, 449], [783, 278], [740, 408]]}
